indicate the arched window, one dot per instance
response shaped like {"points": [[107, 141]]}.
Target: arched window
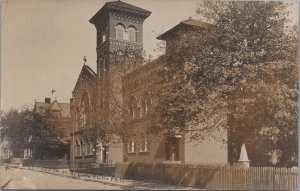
{"points": [[131, 34], [120, 32], [84, 109], [146, 104], [89, 148], [133, 110]]}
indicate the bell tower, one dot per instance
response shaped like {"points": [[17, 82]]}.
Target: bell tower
{"points": [[119, 26]]}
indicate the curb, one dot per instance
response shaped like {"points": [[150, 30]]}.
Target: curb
{"points": [[76, 177], [133, 184], [5, 184]]}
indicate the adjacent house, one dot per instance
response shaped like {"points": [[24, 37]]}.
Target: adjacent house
{"points": [[58, 116], [5, 152]]}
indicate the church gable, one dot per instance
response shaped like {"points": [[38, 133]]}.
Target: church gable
{"points": [[87, 76]]}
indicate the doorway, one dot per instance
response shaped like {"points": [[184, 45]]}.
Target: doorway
{"points": [[172, 149]]}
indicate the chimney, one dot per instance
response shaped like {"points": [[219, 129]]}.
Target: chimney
{"points": [[47, 100]]}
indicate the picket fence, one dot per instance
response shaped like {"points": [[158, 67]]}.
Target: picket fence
{"points": [[212, 176]]}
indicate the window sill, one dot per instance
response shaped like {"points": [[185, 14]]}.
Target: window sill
{"points": [[88, 156], [78, 157], [125, 41], [144, 152]]}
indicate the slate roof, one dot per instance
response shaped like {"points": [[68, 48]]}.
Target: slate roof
{"points": [[65, 107], [189, 23], [120, 6], [65, 112], [55, 106], [125, 5], [194, 22]]}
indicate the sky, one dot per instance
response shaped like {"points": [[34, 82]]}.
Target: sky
{"points": [[43, 43]]}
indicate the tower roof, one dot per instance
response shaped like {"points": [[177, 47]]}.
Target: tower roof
{"points": [[188, 23], [122, 7]]}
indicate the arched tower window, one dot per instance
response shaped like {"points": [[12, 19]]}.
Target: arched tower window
{"points": [[131, 34], [84, 109], [120, 32]]}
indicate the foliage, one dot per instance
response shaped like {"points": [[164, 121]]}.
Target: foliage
{"points": [[241, 67], [28, 129], [124, 62], [110, 126]]}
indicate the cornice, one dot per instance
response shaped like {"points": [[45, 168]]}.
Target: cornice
{"points": [[126, 17]]}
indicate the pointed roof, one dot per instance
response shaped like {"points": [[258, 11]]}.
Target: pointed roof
{"points": [[119, 6], [87, 75], [186, 24]]}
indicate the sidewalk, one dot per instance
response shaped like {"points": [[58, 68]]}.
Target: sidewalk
{"points": [[123, 183], [3, 178]]}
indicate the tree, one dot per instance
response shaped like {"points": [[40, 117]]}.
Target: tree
{"points": [[110, 126], [124, 62], [95, 133], [11, 131], [224, 72], [28, 129]]}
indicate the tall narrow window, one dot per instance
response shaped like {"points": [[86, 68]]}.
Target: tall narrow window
{"points": [[89, 148], [133, 108], [83, 147], [146, 104], [84, 110], [78, 149], [120, 32], [131, 34], [103, 37], [144, 146], [147, 145], [130, 147]]}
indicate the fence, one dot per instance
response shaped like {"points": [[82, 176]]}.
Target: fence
{"points": [[104, 169], [54, 164], [213, 177]]}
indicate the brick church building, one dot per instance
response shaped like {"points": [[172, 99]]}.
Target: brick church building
{"points": [[119, 27]]}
